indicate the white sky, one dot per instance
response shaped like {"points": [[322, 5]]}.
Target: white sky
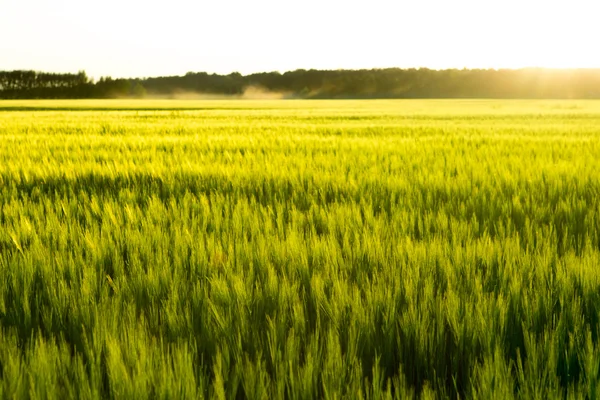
{"points": [[128, 38]]}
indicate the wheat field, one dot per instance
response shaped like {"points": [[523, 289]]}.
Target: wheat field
{"points": [[300, 249]]}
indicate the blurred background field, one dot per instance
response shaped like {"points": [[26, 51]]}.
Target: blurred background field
{"points": [[395, 107]]}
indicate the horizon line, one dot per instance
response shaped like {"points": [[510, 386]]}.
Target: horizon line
{"points": [[235, 72]]}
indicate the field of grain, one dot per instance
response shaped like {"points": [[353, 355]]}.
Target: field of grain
{"points": [[300, 250]]}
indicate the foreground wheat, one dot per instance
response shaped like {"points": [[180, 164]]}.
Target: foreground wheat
{"points": [[299, 249]]}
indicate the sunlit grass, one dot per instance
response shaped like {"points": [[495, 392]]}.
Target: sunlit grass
{"points": [[289, 249]]}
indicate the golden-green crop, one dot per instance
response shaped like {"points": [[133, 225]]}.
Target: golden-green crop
{"points": [[299, 249]]}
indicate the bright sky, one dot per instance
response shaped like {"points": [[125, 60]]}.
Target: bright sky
{"points": [[130, 38]]}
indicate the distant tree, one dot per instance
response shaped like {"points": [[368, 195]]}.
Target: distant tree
{"points": [[139, 91], [375, 83], [108, 87]]}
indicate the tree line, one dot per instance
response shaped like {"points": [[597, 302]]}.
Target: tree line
{"points": [[318, 84]]}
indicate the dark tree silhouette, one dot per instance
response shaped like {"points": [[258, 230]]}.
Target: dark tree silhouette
{"points": [[374, 83]]}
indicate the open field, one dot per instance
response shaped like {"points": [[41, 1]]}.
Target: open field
{"points": [[301, 250]]}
